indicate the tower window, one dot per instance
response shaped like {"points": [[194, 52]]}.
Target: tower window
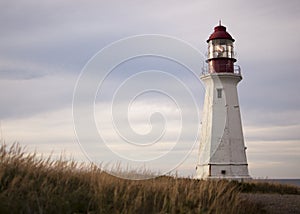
{"points": [[223, 172], [219, 92]]}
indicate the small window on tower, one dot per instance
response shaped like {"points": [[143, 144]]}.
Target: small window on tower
{"points": [[219, 92]]}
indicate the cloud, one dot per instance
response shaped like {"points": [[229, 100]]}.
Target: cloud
{"points": [[275, 159], [25, 97], [269, 117], [18, 69]]}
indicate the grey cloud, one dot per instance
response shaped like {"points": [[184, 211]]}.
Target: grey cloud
{"points": [[23, 98], [21, 74], [23, 70]]}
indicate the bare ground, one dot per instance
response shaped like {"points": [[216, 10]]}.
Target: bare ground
{"points": [[275, 203]]}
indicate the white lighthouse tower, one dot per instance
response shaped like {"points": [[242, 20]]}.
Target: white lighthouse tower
{"points": [[222, 150]]}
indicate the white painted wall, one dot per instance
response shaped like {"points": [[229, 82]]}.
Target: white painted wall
{"points": [[222, 142]]}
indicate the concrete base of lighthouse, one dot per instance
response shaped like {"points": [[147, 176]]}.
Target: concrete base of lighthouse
{"points": [[222, 151], [223, 171]]}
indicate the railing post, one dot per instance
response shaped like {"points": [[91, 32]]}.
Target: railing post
{"points": [[237, 69]]}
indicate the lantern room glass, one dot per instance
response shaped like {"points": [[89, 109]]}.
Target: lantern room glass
{"points": [[220, 48]]}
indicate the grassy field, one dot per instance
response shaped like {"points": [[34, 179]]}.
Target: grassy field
{"points": [[35, 185]]}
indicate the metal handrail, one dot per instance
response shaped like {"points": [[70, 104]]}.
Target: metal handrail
{"points": [[236, 70]]}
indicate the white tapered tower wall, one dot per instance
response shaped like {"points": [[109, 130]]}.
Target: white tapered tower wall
{"points": [[222, 150]]}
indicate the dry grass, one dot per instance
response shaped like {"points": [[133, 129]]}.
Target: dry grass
{"points": [[256, 186], [34, 185]]}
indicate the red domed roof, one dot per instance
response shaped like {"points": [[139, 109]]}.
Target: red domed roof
{"points": [[220, 33]]}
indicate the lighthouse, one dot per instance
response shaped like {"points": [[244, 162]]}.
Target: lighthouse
{"points": [[222, 152]]}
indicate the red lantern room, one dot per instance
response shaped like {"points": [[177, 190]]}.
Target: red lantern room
{"points": [[220, 51]]}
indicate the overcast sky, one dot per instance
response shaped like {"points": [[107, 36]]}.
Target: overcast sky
{"points": [[44, 45]]}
